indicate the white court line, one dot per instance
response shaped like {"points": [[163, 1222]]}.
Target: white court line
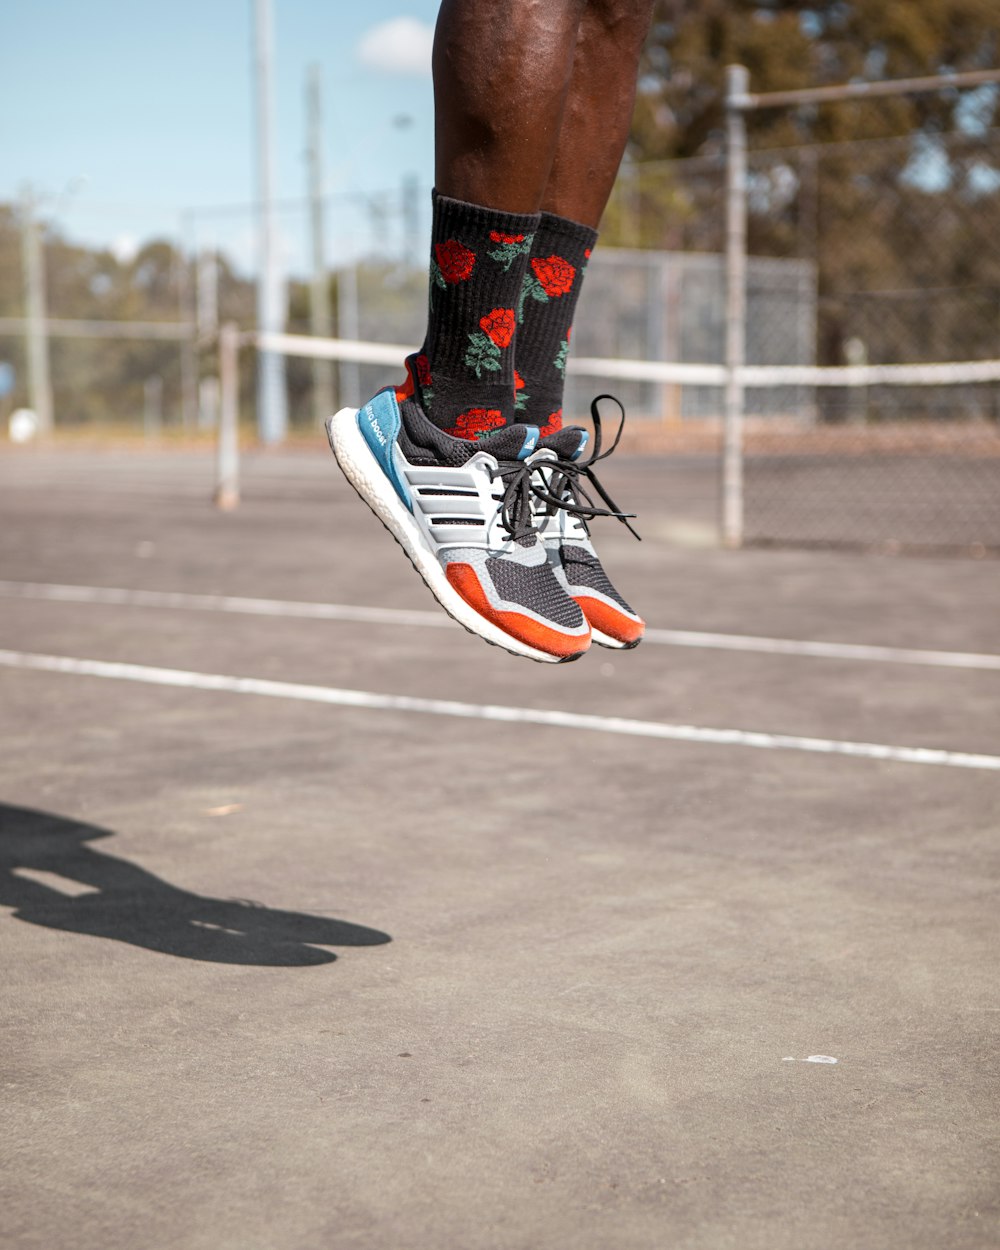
{"points": [[224, 603], [492, 712], [824, 650], [438, 620]]}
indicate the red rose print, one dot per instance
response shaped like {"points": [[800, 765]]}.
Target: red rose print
{"points": [[475, 422], [555, 274], [454, 260], [498, 325], [569, 333], [518, 381], [423, 369], [553, 424], [587, 253], [497, 237]]}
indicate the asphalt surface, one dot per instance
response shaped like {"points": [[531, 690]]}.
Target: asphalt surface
{"points": [[281, 974]]}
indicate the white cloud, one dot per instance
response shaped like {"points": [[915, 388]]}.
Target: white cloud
{"points": [[124, 248], [401, 45]]}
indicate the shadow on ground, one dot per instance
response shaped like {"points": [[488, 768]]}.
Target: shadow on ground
{"points": [[109, 897]]}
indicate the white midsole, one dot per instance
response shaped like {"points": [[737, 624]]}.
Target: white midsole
{"points": [[367, 477], [605, 640]]}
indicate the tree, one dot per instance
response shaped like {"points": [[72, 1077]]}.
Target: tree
{"points": [[787, 44]]}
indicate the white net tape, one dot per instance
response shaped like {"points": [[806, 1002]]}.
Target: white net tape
{"points": [[945, 373]]}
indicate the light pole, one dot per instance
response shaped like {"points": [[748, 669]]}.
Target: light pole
{"points": [[320, 322], [272, 401]]}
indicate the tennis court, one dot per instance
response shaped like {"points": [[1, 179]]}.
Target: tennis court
{"points": [[325, 924]]}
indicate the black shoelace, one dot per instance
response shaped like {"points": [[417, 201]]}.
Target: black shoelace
{"points": [[565, 480], [515, 503], [562, 484]]}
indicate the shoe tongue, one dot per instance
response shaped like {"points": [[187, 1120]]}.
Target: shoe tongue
{"points": [[568, 443], [512, 442]]}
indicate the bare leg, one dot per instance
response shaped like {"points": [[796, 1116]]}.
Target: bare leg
{"points": [[598, 109], [533, 101], [501, 76]]}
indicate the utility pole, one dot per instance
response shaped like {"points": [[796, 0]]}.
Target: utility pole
{"points": [[319, 298], [36, 329], [737, 96], [272, 400], [189, 360]]}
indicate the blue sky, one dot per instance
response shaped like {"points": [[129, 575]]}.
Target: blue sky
{"points": [[123, 115]]}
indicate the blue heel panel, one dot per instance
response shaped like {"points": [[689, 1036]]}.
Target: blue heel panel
{"points": [[379, 422]]}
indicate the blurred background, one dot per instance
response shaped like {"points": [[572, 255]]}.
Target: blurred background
{"points": [[269, 166]]}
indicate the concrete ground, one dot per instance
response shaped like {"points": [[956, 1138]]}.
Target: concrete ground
{"points": [[279, 973]]}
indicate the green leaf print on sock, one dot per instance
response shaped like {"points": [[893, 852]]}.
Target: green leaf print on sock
{"points": [[520, 399], [511, 247], [482, 353], [560, 360], [530, 286]]}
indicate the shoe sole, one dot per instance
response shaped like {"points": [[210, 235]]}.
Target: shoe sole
{"points": [[365, 474], [613, 644]]}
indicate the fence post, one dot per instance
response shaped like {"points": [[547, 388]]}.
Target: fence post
{"points": [[227, 466], [737, 91], [36, 323]]}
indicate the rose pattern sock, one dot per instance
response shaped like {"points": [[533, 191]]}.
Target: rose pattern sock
{"points": [[463, 376], [545, 308]]}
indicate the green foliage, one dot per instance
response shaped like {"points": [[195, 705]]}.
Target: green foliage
{"points": [[787, 44], [102, 379]]}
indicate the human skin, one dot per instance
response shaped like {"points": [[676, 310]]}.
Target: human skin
{"points": [[533, 100]]}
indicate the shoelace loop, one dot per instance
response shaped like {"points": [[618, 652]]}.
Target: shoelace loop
{"points": [[565, 489], [515, 505]]}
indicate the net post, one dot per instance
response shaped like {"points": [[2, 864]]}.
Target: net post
{"points": [[227, 467], [36, 317], [737, 101]]}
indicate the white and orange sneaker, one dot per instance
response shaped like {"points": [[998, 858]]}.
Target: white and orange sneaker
{"points": [[461, 509], [561, 508]]}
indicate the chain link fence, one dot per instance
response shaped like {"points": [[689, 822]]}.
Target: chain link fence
{"points": [[904, 237], [901, 242]]}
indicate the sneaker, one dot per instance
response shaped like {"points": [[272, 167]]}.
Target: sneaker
{"points": [[561, 511], [461, 510]]}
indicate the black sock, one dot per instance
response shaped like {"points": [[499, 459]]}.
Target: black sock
{"points": [[463, 376], [546, 305]]}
